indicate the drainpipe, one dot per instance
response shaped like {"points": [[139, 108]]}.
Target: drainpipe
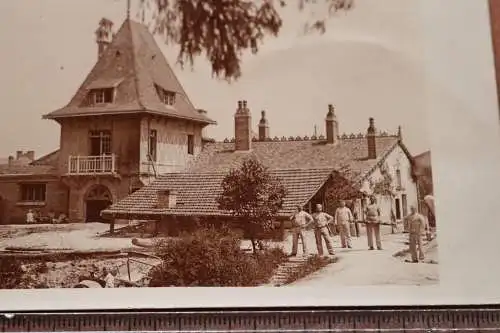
{"points": [[148, 149]]}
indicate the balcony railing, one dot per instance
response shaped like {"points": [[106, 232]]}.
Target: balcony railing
{"points": [[92, 165]]}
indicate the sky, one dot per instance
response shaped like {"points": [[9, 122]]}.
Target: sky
{"points": [[369, 63]]}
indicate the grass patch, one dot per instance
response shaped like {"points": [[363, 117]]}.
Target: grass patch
{"points": [[311, 265]]}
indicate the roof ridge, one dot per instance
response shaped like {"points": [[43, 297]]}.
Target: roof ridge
{"points": [[198, 173], [128, 21], [167, 65]]}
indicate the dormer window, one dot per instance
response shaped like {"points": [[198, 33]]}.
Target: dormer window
{"points": [[101, 96], [167, 97]]}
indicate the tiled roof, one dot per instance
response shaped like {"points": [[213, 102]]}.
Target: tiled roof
{"points": [[197, 193], [27, 170], [304, 154], [133, 63], [44, 166], [303, 166], [49, 159]]}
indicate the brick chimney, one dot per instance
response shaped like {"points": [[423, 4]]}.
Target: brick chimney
{"points": [[11, 160], [30, 154], [370, 138], [400, 133], [242, 127], [19, 154], [263, 127], [104, 35], [167, 199], [332, 126], [203, 130]]}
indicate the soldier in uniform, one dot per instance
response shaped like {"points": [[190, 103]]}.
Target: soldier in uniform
{"points": [[343, 220], [299, 220], [372, 213], [321, 220], [416, 225]]}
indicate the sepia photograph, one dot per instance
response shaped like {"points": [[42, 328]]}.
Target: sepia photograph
{"points": [[148, 144]]}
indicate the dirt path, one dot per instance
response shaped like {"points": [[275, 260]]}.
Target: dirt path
{"points": [[359, 266]]}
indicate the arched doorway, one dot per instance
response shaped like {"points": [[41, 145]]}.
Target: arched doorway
{"points": [[97, 199]]}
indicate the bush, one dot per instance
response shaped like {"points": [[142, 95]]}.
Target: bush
{"points": [[211, 257], [11, 273]]}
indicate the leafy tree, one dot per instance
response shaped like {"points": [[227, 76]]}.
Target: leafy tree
{"points": [[341, 187], [254, 196], [224, 29]]}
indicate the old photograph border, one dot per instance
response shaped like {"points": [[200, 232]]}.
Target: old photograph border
{"points": [[463, 115]]}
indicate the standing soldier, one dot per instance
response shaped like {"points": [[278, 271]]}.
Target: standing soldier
{"points": [[343, 220], [321, 221], [416, 225], [373, 224], [299, 220]]}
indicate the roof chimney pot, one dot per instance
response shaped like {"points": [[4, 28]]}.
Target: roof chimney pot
{"points": [[242, 127], [332, 126], [371, 139], [104, 35], [263, 127]]}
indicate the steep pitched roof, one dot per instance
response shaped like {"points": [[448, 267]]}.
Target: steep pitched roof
{"points": [[198, 192], [133, 64], [303, 167]]}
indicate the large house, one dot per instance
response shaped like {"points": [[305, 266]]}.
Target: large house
{"points": [[132, 147], [129, 121]]}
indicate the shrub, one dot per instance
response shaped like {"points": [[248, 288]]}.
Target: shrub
{"points": [[211, 257], [11, 273]]}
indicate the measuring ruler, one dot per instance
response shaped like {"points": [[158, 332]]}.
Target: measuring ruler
{"points": [[340, 320]]}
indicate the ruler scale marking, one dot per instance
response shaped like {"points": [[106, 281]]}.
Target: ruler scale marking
{"points": [[418, 320]]}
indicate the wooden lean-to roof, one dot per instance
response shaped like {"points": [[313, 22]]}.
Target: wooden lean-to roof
{"points": [[134, 65], [302, 166], [197, 194]]}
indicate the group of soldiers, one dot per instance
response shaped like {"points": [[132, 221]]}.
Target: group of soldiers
{"points": [[322, 224]]}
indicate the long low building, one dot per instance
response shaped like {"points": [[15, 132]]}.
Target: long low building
{"points": [[309, 168]]}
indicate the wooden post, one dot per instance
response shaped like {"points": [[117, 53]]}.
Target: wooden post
{"points": [[282, 230], [112, 226], [157, 227]]}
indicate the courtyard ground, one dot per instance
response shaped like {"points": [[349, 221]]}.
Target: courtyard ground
{"points": [[74, 236], [356, 266], [359, 266]]}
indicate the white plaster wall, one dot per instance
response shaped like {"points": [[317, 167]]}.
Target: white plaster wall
{"points": [[397, 159], [172, 152]]}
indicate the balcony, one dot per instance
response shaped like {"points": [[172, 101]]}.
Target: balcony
{"points": [[92, 165]]}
